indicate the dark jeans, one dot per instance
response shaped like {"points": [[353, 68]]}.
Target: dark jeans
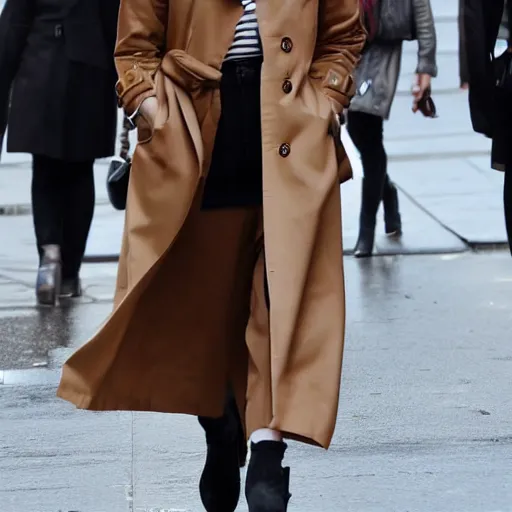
{"points": [[235, 175], [366, 132], [507, 199], [63, 205]]}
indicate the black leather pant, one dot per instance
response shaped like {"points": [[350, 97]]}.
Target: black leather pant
{"points": [[63, 205], [235, 176], [366, 132]]}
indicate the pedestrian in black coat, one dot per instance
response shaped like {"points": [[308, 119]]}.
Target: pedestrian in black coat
{"points": [[490, 86], [56, 64]]}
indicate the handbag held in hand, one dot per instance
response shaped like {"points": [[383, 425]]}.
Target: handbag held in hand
{"points": [[118, 177]]}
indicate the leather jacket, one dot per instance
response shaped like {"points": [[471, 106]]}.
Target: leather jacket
{"points": [[377, 74]]}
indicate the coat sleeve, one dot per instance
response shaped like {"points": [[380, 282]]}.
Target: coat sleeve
{"points": [[15, 22], [426, 35], [141, 40], [340, 40]]}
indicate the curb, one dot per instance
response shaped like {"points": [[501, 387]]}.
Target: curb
{"points": [[26, 209], [15, 210], [101, 258], [30, 377]]}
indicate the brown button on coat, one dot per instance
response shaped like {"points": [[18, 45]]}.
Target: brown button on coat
{"points": [[162, 348]]}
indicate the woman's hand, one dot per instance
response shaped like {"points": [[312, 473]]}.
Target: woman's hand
{"points": [[423, 82], [145, 120], [148, 109]]}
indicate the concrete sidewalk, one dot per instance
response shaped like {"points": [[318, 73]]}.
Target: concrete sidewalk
{"points": [[424, 424]]}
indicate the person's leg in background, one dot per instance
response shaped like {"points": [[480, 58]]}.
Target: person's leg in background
{"points": [[47, 208], [507, 200], [78, 202], [366, 132]]}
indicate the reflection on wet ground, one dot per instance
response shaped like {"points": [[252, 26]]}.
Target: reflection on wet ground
{"points": [[43, 337]]}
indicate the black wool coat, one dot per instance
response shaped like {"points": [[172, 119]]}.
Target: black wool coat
{"points": [[57, 68], [490, 86], [491, 106]]}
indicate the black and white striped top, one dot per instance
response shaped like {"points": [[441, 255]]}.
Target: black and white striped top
{"points": [[247, 38]]}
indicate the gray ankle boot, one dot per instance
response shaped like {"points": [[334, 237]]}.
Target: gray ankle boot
{"points": [[49, 276]]}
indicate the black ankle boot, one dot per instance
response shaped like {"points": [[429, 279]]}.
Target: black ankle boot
{"points": [[370, 199], [365, 241], [392, 219], [267, 484], [71, 288], [219, 486]]}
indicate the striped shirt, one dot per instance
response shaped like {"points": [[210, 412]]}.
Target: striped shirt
{"points": [[247, 37]]}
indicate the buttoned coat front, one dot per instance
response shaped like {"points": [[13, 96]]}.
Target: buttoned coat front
{"points": [[162, 348]]}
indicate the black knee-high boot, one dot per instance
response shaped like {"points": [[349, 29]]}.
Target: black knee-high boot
{"points": [[366, 132], [392, 218]]}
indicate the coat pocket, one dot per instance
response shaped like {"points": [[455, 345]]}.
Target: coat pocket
{"points": [[344, 166], [334, 131], [146, 127]]}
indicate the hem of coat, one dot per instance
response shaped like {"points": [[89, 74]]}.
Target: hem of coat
{"points": [[497, 166], [303, 438], [86, 401], [313, 429]]}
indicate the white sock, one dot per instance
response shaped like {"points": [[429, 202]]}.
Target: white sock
{"points": [[266, 434]]}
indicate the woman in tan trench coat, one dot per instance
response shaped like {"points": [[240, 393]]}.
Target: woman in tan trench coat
{"points": [[233, 231]]}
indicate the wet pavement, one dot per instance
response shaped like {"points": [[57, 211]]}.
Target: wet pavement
{"points": [[425, 419]]}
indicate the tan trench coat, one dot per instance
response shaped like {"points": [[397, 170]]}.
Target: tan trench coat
{"points": [[163, 348]]}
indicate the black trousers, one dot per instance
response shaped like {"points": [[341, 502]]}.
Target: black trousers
{"points": [[63, 199], [235, 175], [507, 199], [367, 134]]}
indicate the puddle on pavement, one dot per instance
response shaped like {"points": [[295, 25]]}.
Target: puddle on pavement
{"points": [[42, 338]]}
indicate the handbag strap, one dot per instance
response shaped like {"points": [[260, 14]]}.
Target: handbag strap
{"points": [[125, 140]]}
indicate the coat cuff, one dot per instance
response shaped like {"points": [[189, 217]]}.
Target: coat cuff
{"points": [[426, 67], [133, 87], [338, 87]]}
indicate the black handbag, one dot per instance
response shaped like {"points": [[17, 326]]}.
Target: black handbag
{"points": [[118, 177], [396, 21]]}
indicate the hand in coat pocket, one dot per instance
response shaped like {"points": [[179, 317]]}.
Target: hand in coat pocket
{"points": [[146, 119], [344, 166]]}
